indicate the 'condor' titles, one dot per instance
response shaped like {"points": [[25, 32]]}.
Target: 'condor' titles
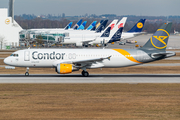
{"points": [[47, 56]]}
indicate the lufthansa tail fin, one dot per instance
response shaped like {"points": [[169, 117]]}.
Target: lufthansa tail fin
{"points": [[117, 35], [91, 25], [68, 26], [82, 26], [106, 33], [159, 39], [138, 26], [102, 26], [77, 24]]}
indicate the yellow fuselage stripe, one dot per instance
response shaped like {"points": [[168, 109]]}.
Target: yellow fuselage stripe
{"points": [[127, 55]]}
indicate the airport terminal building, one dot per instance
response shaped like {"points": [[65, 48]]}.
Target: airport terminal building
{"points": [[9, 30]]}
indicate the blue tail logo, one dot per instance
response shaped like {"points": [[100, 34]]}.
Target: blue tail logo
{"points": [[106, 33], [116, 36], [160, 38]]}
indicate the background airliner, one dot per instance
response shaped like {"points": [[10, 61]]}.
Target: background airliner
{"points": [[68, 60]]}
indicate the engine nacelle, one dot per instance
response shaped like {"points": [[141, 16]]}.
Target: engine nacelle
{"points": [[79, 44], [65, 68]]}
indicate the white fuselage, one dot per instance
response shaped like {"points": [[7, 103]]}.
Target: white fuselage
{"points": [[52, 57]]}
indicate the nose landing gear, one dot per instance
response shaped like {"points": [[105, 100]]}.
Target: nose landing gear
{"points": [[27, 71]]}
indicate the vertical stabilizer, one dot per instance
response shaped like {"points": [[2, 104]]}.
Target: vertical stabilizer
{"points": [[11, 9], [102, 26], [91, 25], [120, 24], [95, 27], [82, 26], [159, 39], [77, 24], [138, 26], [68, 26]]}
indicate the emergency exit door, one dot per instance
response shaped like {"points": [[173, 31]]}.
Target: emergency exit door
{"points": [[26, 55]]}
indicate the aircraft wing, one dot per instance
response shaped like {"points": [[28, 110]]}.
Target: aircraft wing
{"points": [[90, 60], [82, 63]]}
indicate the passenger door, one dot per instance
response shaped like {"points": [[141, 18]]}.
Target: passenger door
{"points": [[26, 55]]}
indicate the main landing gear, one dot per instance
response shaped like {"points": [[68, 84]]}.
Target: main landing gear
{"points": [[27, 71], [85, 73]]}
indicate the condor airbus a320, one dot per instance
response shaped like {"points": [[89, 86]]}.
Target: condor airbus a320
{"points": [[68, 60]]}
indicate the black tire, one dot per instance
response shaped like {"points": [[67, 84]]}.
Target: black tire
{"points": [[26, 74], [82, 73], [86, 74]]}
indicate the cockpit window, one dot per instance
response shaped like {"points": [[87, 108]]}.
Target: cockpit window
{"points": [[14, 55]]}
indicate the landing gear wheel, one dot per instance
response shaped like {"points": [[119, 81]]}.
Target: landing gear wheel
{"points": [[85, 73], [26, 74], [27, 71]]}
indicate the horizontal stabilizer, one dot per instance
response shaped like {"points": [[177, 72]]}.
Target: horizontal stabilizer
{"points": [[163, 54]]}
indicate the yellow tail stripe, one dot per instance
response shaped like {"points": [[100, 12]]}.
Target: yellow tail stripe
{"points": [[127, 55]]}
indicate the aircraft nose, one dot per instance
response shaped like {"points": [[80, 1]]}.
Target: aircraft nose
{"points": [[6, 61]]}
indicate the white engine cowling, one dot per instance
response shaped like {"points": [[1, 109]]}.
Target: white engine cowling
{"points": [[79, 44]]}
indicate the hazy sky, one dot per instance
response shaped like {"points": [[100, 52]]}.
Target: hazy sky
{"points": [[98, 7]]}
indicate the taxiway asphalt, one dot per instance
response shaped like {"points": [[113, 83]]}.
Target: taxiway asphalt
{"points": [[93, 78]]}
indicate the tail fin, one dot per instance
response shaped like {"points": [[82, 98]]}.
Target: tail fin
{"points": [[91, 25], [95, 27], [112, 24], [159, 39], [102, 26], [68, 26], [117, 35], [116, 32], [106, 33], [77, 24], [82, 26], [138, 26]]}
